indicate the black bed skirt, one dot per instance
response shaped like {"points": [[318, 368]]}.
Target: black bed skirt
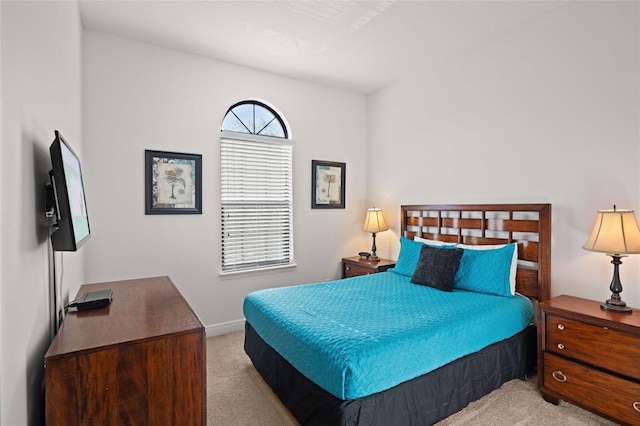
{"points": [[424, 400]]}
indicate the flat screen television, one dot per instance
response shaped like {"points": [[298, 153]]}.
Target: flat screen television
{"points": [[69, 204]]}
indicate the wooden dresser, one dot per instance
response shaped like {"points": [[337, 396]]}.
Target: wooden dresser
{"points": [[139, 361], [590, 357]]}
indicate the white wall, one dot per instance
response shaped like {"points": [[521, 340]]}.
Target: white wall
{"points": [[40, 93], [138, 96], [547, 113]]}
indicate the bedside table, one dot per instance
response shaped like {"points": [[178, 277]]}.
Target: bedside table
{"points": [[590, 357], [354, 266]]}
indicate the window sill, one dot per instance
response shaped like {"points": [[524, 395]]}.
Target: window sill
{"points": [[227, 275]]}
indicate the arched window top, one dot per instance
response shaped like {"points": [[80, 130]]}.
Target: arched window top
{"points": [[255, 118]]}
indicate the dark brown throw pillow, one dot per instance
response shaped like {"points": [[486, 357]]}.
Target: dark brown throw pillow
{"points": [[437, 267]]}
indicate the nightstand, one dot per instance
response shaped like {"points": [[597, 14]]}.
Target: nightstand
{"points": [[590, 357], [354, 266]]}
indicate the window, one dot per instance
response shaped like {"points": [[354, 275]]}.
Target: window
{"points": [[254, 118], [256, 189]]}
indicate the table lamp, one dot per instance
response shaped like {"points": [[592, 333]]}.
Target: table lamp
{"points": [[374, 223], [615, 233]]}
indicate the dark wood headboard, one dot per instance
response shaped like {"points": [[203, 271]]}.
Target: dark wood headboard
{"points": [[528, 225]]}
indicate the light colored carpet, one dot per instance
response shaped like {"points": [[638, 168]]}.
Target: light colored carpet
{"points": [[237, 396]]}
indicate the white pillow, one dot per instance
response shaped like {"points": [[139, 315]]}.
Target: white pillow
{"points": [[514, 261], [434, 243]]}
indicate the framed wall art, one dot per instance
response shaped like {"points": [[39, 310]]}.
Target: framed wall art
{"points": [[173, 183], [327, 184]]}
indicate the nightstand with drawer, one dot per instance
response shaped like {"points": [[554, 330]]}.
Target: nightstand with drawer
{"points": [[354, 266], [590, 357]]}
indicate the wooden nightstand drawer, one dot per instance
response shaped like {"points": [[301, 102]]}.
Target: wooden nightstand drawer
{"points": [[599, 346], [605, 393], [355, 270], [354, 266]]}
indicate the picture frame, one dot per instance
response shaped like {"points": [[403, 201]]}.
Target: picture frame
{"points": [[328, 180], [173, 183]]}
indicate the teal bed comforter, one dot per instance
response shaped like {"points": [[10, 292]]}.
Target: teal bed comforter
{"points": [[366, 334]]}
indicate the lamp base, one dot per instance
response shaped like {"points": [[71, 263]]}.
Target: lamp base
{"points": [[615, 303], [373, 257], [616, 306]]}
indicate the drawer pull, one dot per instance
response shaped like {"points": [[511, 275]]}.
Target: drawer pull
{"points": [[560, 346], [636, 406], [348, 268], [559, 376], [560, 326]]}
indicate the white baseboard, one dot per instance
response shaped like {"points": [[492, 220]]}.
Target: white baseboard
{"points": [[224, 328]]}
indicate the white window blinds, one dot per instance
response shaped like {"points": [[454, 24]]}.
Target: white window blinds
{"points": [[257, 208]]}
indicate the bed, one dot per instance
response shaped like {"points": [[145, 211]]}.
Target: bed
{"points": [[379, 349]]}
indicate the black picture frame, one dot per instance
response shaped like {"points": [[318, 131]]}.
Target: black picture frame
{"points": [[328, 179], [173, 183]]}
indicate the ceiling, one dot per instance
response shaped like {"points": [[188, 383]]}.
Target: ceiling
{"points": [[360, 45]]}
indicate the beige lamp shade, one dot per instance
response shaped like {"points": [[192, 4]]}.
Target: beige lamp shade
{"points": [[615, 232], [374, 222]]}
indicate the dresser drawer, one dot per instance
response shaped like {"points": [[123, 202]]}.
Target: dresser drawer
{"points": [[598, 346], [606, 393]]}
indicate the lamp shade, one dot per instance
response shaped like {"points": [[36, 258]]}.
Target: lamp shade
{"points": [[615, 232], [374, 222]]}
